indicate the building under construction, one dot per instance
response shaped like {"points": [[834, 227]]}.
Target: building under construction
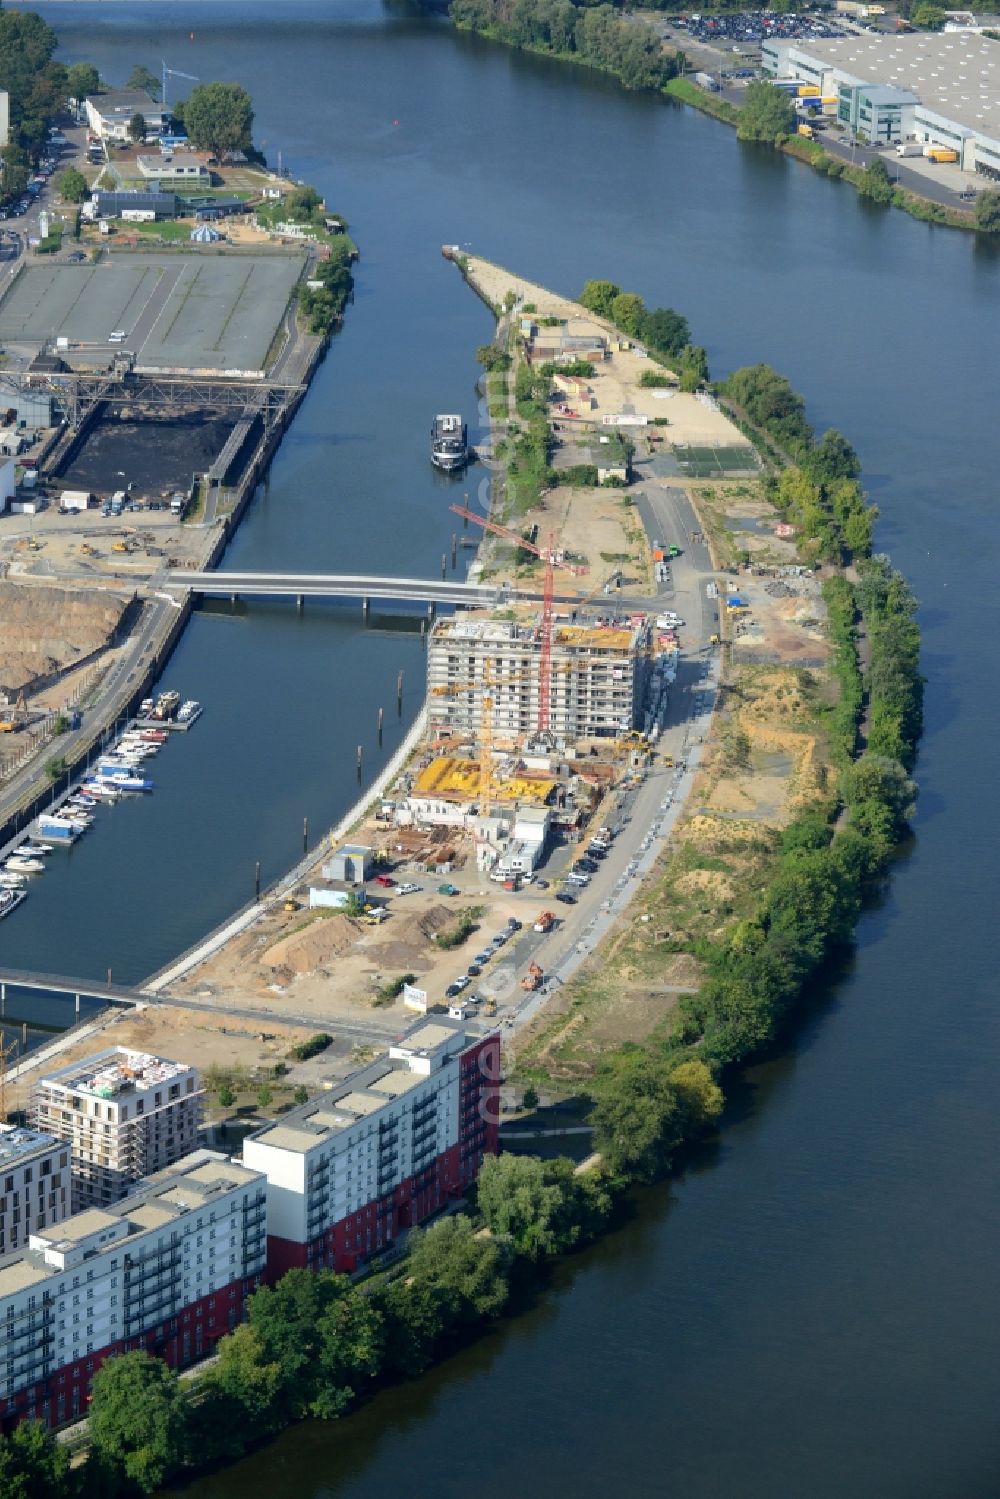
{"points": [[486, 674], [123, 1114]]}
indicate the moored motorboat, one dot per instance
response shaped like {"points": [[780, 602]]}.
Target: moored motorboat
{"points": [[16, 864], [10, 900]]}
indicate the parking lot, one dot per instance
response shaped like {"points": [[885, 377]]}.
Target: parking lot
{"points": [[173, 312]]}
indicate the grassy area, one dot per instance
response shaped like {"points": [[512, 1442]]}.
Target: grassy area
{"points": [[769, 761], [686, 92]]}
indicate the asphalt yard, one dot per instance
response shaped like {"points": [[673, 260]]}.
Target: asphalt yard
{"points": [[177, 312]]}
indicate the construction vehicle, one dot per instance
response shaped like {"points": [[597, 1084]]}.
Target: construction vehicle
{"points": [[119, 546], [545, 922], [490, 1007], [7, 726], [533, 978]]}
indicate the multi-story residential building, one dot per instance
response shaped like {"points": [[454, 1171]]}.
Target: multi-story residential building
{"points": [[124, 1114], [167, 1270], [393, 1143], [110, 115], [35, 1187], [599, 677]]}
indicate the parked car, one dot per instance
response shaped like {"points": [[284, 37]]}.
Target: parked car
{"points": [[541, 884], [76, 257], [451, 991], [513, 924], [566, 898], [447, 890], [474, 970], [385, 880], [409, 889]]}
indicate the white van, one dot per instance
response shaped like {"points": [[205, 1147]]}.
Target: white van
{"points": [[577, 879]]}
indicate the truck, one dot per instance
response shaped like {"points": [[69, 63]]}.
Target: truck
{"points": [[909, 148], [940, 154], [806, 130], [178, 504], [533, 978], [545, 922]]}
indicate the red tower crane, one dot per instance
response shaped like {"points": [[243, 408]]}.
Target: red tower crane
{"points": [[548, 556]]}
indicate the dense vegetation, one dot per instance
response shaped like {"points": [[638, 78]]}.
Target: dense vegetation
{"points": [[592, 34], [663, 332], [767, 113], [218, 117]]}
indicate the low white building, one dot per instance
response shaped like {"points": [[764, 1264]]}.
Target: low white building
{"points": [[187, 169], [109, 115]]}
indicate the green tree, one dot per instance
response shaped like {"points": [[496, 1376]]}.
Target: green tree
{"points": [[770, 402], [226, 1096], [146, 82], [218, 118], [491, 358], [542, 1207], [32, 1464], [767, 113], [464, 1271], [301, 1094], [530, 1098], [930, 17], [302, 203], [239, 1398], [72, 185], [137, 127], [699, 1094], [138, 1420], [16, 169], [875, 183], [82, 79], [264, 1096], [628, 312], [638, 1116], [833, 458], [412, 1321], [665, 330], [988, 211], [875, 778], [323, 1334], [599, 297]]}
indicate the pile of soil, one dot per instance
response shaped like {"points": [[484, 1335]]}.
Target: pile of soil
{"points": [[43, 629], [312, 948]]}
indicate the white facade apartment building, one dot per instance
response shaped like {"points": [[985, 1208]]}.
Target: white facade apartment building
{"points": [[124, 1114], [167, 1270], [599, 677], [35, 1184], [393, 1143]]}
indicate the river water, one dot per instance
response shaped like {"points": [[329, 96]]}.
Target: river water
{"points": [[812, 1310]]}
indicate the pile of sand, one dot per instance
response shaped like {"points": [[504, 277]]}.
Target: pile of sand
{"points": [[314, 946]]}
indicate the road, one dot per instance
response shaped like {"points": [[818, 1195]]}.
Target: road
{"points": [[116, 689], [646, 814]]}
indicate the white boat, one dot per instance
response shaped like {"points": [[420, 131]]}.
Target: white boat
{"points": [[10, 900], [18, 865], [36, 850], [190, 711], [102, 791], [12, 881]]}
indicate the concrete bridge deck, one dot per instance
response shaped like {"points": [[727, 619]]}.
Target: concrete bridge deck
{"points": [[337, 586]]}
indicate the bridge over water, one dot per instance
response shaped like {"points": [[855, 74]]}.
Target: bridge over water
{"points": [[364, 586]]}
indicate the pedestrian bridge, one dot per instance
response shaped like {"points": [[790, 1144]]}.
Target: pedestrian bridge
{"points": [[301, 586]]}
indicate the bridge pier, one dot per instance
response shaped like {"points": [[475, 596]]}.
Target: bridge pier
{"points": [[77, 1005], [234, 598], [366, 605], [300, 603]]}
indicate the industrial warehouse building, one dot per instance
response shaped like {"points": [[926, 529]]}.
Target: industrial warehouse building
{"points": [[123, 1114], [599, 678], [941, 89]]}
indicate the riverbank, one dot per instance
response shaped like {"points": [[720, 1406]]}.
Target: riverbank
{"points": [[530, 32]]}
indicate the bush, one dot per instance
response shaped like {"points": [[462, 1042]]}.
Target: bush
{"points": [[461, 929], [311, 1048]]}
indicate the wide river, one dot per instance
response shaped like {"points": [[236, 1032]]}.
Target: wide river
{"points": [[814, 1310]]}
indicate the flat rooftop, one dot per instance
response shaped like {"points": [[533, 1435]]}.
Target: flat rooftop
{"points": [[116, 1071], [17, 1142], [953, 73], [195, 311], [362, 1093]]}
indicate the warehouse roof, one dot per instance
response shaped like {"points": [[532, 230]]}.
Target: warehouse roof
{"points": [[954, 73]]}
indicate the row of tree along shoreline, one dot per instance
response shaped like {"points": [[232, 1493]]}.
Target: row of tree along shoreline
{"points": [[596, 36]]}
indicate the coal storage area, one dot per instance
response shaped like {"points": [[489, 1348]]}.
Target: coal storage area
{"points": [[156, 455]]}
